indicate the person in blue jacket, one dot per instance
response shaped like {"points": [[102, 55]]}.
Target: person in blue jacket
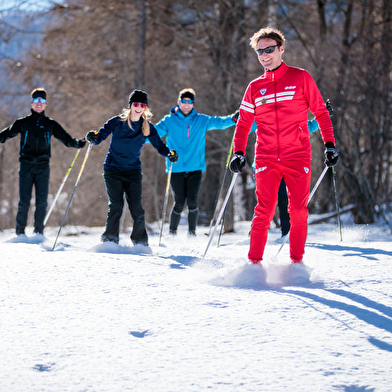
{"points": [[123, 168], [185, 130]]}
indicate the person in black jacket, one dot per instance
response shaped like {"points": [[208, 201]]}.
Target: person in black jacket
{"points": [[35, 132], [123, 168]]}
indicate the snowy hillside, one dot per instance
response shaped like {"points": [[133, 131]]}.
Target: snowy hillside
{"points": [[103, 317]]}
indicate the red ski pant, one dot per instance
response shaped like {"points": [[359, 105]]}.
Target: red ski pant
{"points": [[268, 175]]}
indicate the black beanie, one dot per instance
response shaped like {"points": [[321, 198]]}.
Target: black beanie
{"points": [[138, 96], [38, 93], [187, 94]]}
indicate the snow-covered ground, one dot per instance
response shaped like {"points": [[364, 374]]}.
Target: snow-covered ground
{"points": [[104, 317]]}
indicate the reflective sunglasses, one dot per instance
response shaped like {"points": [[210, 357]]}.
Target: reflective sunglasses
{"points": [[190, 101], [268, 49], [36, 100], [136, 104]]}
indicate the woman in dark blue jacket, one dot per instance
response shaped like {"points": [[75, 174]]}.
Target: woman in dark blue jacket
{"points": [[123, 168]]}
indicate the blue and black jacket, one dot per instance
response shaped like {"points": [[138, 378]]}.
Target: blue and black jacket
{"points": [[35, 132], [126, 144], [187, 135]]}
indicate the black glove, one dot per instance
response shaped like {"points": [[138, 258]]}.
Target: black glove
{"points": [[235, 115], [331, 154], [92, 136], [238, 162], [329, 107], [173, 156], [80, 143]]}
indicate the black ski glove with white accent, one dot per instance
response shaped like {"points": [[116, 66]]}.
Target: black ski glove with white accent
{"points": [[238, 162], [92, 136], [331, 154], [329, 107], [80, 143], [173, 156]]}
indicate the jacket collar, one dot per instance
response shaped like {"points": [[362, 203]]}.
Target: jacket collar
{"points": [[176, 110], [37, 115], [277, 73]]}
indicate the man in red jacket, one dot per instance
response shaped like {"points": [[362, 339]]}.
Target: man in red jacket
{"points": [[279, 101]]}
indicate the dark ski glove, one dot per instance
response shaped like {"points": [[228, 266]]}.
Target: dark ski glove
{"points": [[329, 107], [238, 162], [331, 154], [80, 143], [235, 115], [173, 156], [92, 136]]}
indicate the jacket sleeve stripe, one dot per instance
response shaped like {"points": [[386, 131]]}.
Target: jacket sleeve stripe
{"points": [[249, 107]]}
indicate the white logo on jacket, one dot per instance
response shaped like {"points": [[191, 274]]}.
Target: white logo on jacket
{"points": [[263, 91], [306, 169], [260, 169]]}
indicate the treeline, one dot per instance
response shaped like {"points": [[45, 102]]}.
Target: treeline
{"points": [[92, 53]]}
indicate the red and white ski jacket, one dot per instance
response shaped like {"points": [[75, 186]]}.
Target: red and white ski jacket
{"points": [[279, 101]]}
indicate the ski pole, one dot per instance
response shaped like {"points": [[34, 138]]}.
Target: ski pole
{"points": [[165, 202], [337, 201], [234, 177], [221, 228], [329, 107], [322, 175], [61, 187], [223, 182], [73, 192], [123, 216]]}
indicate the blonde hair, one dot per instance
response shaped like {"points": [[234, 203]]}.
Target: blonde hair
{"points": [[267, 32], [186, 90], [40, 90], [147, 115]]}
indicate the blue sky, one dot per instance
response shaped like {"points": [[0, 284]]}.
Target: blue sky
{"points": [[6, 5]]}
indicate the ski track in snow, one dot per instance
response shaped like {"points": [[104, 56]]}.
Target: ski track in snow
{"points": [[93, 316]]}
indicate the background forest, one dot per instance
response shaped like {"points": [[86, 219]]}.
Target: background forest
{"points": [[90, 54]]}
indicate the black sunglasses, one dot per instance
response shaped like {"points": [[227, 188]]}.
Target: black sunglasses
{"points": [[268, 49]]}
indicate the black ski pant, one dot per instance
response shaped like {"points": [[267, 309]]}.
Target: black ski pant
{"points": [[29, 175], [185, 188], [128, 183], [283, 202]]}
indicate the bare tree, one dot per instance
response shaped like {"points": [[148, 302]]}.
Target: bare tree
{"points": [[90, 54], [140, 44]]}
